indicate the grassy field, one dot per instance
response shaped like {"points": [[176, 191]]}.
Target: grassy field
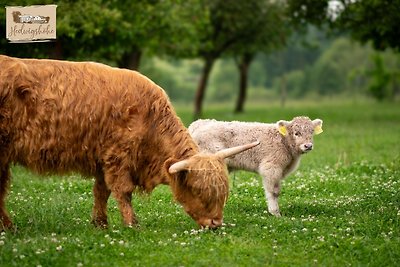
{"points": [[341, 208]]}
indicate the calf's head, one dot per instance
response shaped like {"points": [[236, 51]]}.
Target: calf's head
{"points": [[200, 184], [299, 132]]}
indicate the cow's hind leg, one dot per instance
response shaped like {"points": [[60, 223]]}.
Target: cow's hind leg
{"points": [[101, 194], [121, 188], [5, 221]]}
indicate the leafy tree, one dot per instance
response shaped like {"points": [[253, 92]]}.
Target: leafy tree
{"points": [[330, 72], [295, 82], [239, 28], [116, 32], [379, 80], [366, 20], [269, 32], [156, 27], [83, 31]]}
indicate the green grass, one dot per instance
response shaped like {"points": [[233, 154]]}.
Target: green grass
{"points": [[341, 208]]}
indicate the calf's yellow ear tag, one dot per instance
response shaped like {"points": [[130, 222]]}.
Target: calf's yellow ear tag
{"points": [[318, 129], [282, 130]]}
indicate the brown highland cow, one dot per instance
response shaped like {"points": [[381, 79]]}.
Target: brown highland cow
{"points": [[113, 124]]}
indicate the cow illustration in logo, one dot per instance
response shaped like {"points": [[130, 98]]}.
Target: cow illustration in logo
{"points": [[19, 18]]}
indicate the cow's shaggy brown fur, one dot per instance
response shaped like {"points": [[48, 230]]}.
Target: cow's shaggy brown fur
{"points": [[113, 124]]}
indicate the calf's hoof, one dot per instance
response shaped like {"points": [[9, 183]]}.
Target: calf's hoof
{"points": [[276, 213]]}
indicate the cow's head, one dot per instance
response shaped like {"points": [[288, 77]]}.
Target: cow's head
{"points": [[299, 133], [200, 184]]}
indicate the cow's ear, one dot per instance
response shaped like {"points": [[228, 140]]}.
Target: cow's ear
{"points": [[317, 126], [282, 127]]}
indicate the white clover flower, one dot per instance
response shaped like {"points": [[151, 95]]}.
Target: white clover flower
{"points": [[194, 232]]}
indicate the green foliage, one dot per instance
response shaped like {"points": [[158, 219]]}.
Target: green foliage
{"points": [[379, 80], [340, 208], [177, 78], [375, 21], [339, 66], [367, 21], [107, 30], [330, 72], [295, 82], [223, 82]]}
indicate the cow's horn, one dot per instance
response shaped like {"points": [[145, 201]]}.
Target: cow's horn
{"points": [[178, 166], [228, 152]]}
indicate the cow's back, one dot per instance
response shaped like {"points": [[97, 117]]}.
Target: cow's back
{"points": [[64, 115]]}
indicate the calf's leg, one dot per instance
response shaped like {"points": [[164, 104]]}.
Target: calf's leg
{"points": [[272, 176], [5, 221]]}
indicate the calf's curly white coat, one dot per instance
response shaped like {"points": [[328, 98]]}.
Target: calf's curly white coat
{"points": [[281, 146]]}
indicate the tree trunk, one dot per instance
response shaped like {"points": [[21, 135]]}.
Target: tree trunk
{"points": [[201, 88], [131, 60], [243, 66]]}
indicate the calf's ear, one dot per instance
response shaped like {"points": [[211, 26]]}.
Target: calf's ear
{"points": [[317, 126], [282, 127]]}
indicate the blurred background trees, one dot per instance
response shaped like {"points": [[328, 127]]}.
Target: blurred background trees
{"points": [[229, 50]]}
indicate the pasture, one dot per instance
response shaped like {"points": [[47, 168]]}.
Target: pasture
{"points": [[341, 208]]}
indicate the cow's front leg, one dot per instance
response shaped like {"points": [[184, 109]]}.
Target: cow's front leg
{"points": [[121, 187], [272, 176], [101, 194], [124, 200], [5, 221]]}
